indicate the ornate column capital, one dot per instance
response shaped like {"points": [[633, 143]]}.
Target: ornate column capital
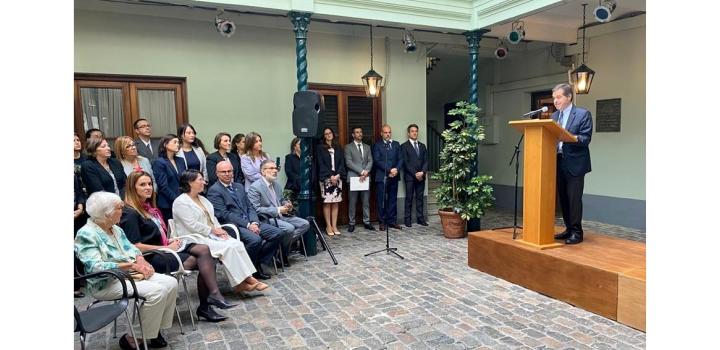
{"points": [[300, 21], [473, 38]]}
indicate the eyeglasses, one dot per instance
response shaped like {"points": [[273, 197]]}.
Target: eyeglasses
{"points": [[271, 168], [130, 146], [144, 126], [225, 172]]}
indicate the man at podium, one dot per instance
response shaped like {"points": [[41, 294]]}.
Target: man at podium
{"points": [[573, 161]]}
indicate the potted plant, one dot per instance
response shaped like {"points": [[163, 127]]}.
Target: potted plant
{"points": [[460, 195]]}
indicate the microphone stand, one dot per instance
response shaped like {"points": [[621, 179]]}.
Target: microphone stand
{"points": [[385, 217]]}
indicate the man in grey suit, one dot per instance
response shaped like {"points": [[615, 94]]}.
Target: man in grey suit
{"points": [[266, 197], [359, 162], [145, 146]]}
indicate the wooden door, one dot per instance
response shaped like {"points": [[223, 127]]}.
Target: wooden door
{"points": [[347, 107]]}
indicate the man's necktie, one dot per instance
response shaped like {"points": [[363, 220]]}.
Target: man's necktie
{"points": [[273, 197], [360, 148], [233, 194], [387, 145], [417, 150]]}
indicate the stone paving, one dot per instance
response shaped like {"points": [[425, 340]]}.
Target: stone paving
{"points": [[429, 300]]}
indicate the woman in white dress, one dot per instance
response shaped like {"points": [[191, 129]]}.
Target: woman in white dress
{"points": [[195, 221]]}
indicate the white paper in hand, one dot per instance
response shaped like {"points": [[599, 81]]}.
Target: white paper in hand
{"points": [[356, 185]]}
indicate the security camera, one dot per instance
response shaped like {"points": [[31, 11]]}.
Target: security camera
{"points": [[516, 35], [225, 27], [603, 13], [501, 52], [409, 42]]}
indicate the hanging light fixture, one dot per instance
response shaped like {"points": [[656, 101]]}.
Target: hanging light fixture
{"points": [[581, 78], [372, 80]]}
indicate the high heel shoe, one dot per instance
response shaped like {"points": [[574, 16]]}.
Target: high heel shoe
{"points": [[245, 287], [220, 303], [261, 286], [210, 314], [337, 232], [330, 232]]}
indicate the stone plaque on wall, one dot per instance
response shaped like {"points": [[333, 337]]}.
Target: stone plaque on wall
{"points": [[608, 115]]}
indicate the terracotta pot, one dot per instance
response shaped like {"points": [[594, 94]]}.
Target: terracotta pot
{"points": [[453, 225]]}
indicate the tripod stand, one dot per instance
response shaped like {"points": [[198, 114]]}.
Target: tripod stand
{"points": [[320, 238], [386, 212], [516, 159]]}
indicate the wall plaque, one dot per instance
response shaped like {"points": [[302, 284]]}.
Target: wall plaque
{"points": [[607, 117]]}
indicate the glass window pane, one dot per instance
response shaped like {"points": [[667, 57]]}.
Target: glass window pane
{"points": [[103, 109], [158, 106]]}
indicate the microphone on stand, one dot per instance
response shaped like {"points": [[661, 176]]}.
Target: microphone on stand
{"points": [[536, 113]]}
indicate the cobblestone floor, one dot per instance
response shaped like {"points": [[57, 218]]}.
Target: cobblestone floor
{"points": [[429, 300]]}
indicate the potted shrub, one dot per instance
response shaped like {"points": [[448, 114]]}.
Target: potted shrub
{"points": [[460, 195]]}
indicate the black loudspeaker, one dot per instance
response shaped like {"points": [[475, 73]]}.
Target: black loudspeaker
{"points": [[307, 117]]}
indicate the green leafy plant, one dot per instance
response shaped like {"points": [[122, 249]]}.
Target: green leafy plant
{"points": [[459, 191]]}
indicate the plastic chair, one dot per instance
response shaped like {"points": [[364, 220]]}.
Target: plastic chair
{"points": [[97, 317]]}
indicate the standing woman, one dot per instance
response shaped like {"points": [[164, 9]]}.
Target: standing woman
{"points": [[331, 172], [127, 153], [102, 245], [195, 218], [191, 150], [222, 144], [79, 208], [292, 170], [238, 145], [250, 161], [145, 228], [167, 169], [100, 172]]}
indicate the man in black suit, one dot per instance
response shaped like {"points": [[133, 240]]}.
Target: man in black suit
{"points": [[414, 155], [145, 146], [387, 161], [573, 161], [232, 206]]}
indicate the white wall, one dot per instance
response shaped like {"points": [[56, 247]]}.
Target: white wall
{"points": [[616, 51], [244, 83]]}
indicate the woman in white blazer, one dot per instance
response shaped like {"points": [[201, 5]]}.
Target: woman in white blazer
{"points": [[191, 150], [195, 221]]}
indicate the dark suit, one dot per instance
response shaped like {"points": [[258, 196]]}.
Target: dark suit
{"points": [[96, 178], [292, 172], [572, 165], [414, 188], [386, 157], [324, 165], [145, 151], [214, 158], [237, 209], [168, 183]]}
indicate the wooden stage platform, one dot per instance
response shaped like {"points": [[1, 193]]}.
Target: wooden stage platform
{"points": [[603, 275]]}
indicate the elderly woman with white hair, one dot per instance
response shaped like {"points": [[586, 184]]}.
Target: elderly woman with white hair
{"points": [[102, 245]]}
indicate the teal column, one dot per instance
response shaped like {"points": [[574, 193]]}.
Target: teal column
{"points": [[301, 21], [473, 38]]}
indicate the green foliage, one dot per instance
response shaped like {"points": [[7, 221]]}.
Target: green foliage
{"points": [[467, 195]]}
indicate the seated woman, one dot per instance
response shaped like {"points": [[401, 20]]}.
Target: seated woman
{"points": [[127, 153], [102, 245], [144, 226], [168, 168], [222, 145], [195, 220]]}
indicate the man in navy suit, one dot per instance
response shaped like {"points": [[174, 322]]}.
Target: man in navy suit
{"points": [[414, 154], [233, 207], [573, 161], [387, 161]]}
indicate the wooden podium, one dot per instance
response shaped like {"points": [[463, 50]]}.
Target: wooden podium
{"points": [[539, 186]]}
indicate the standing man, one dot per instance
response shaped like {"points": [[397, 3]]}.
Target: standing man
{"points": [[388, 162], [573, 161], [145, 146], [233, 207], [359, 162], [415, 166], [266, 197]]}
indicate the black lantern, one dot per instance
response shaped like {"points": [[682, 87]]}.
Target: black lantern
{"points": [[582, 77], [372, 80]]}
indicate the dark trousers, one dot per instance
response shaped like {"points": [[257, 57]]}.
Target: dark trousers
{"points": [[260, 247], [570, 191], [391, 210], [414, 190]]}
